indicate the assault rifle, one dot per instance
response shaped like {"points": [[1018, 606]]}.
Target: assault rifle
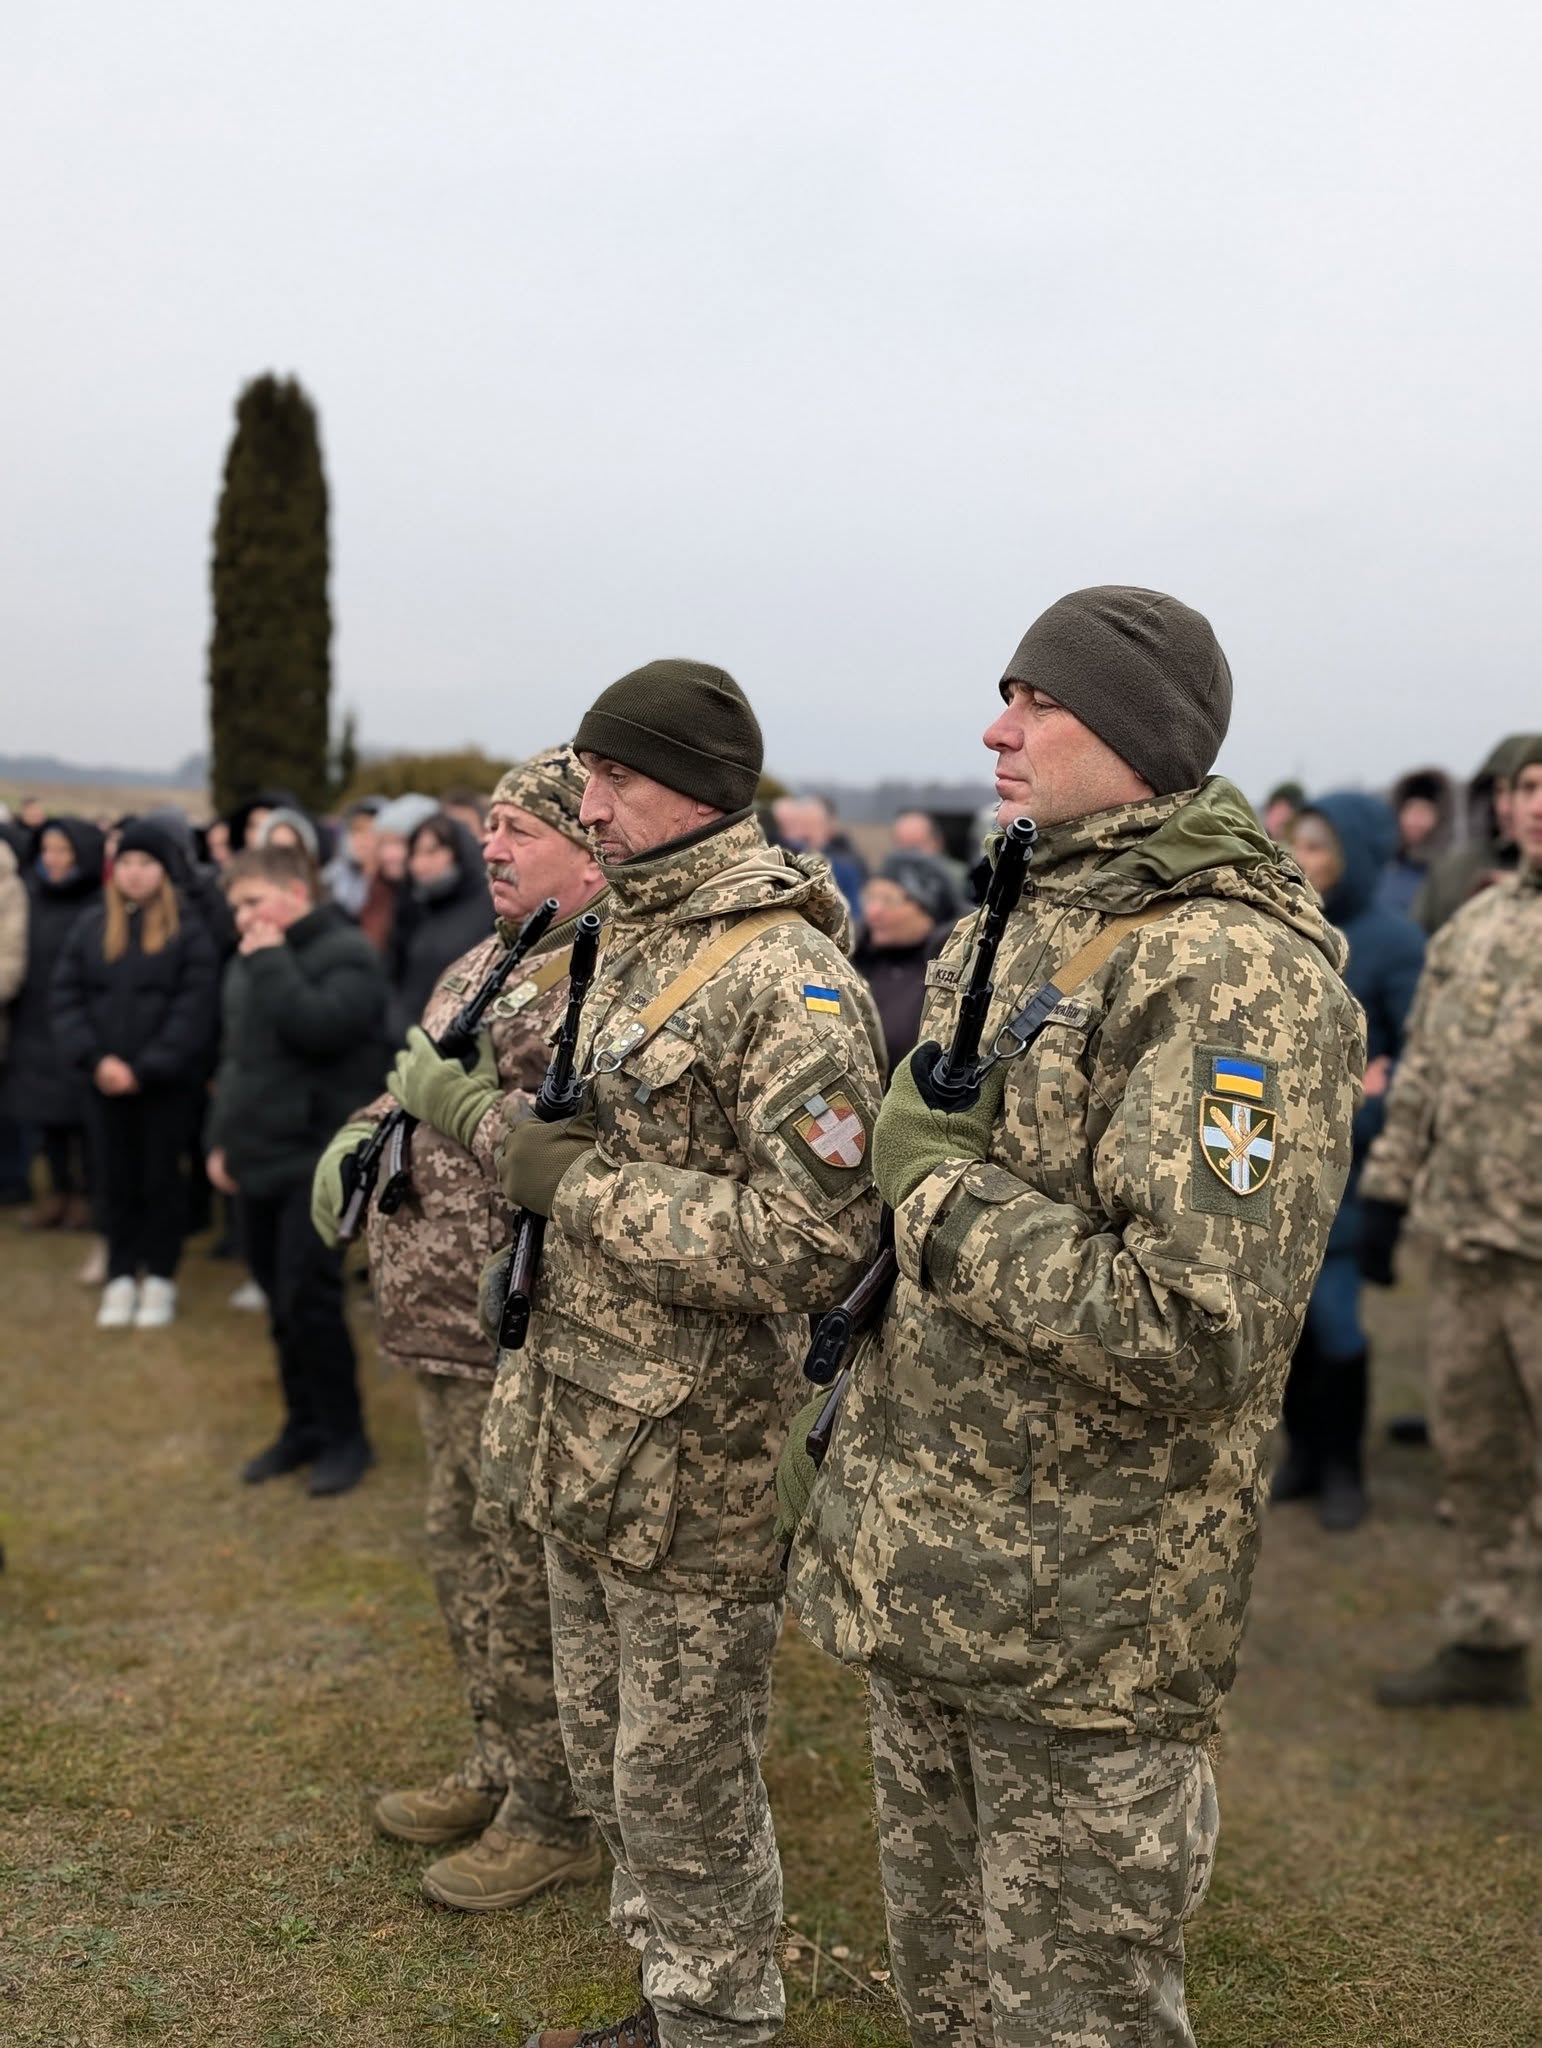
{"points": [[390, 1143], [558, 1098], [954, 1084]]}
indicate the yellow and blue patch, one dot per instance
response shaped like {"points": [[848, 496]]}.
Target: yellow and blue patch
{"points": [[1243, 1078], [823, 1001]]}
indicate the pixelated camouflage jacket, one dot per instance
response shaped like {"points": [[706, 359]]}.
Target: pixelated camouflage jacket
{"points": [[1042, 1497], [425, 1259], [1462, 1142], [643, 1420]]}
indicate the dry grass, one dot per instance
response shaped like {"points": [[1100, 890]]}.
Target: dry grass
{"points": [[202, 1685]]}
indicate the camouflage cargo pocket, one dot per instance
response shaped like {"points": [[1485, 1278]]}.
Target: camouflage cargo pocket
{"points": [[608, 1469]]}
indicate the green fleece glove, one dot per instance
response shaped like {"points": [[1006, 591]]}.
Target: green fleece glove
{"points": [[492, 1291], [440, 1092], [796, 1471], [329, 1197], [537, 1155], [911, 1139]]}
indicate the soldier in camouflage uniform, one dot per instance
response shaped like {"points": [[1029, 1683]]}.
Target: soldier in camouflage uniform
{"points": [[1461, 1152], [714, 1192], [513, 1789], [1037, 1523]]}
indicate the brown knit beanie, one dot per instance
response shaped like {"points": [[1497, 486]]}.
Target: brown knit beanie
{"points": [[683, 723], [550, 786], [1142, 670]]}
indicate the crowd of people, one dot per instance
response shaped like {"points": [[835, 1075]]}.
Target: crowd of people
{"points": [[230, 1011]]}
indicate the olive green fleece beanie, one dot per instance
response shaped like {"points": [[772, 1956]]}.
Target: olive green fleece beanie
{"points": [[684, 723], [1142, 670]]}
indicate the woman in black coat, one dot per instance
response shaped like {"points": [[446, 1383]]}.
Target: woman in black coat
{"points": [[446, 910], [135, 1003], [38, 1088]]}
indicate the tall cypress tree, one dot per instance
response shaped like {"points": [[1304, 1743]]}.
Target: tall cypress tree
{"points": [[270, 654]]}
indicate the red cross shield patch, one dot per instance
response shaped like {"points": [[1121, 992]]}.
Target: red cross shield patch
{"points": [[832, 1130]]}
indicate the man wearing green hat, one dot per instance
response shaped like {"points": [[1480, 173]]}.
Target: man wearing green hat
{"points": [[1036, 1526], [1461, 1153], [714, 1190], [511, 1792]]}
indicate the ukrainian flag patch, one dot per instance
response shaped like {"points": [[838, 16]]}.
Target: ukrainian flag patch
{"points": [[824, 1001], [1244, 1078]]}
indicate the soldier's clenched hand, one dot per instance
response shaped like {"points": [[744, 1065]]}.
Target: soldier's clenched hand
{"points": [[440, 1092], [536, 1156], [331, 1185], [912, 1139]]}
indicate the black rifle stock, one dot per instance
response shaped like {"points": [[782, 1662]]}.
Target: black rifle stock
{"points": [[559, 1097], [956, 1080], [391, 1140]]}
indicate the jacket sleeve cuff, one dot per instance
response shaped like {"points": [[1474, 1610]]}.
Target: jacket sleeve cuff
{"points": [[931, 1228], [579, 1193], [915, 1216]]}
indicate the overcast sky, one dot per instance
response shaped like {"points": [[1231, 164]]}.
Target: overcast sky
{"points": [[829, 342]]}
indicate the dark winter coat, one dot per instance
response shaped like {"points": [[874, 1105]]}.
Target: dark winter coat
{"points": [[159, 1011], [432, 932], [39, 1086], [304, 1044], [897, 977], [1410, 866], [1386, 957]]}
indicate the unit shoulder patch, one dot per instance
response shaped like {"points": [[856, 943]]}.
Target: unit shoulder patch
{"points": [[1236, 1133], [831, 1128]]}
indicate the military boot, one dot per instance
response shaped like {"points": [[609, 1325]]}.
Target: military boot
{"points": [[638, 2030], [1460, 1677], [443, 1813], [499, 1871]]}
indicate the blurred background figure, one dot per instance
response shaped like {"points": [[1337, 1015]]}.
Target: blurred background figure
{"points": [[1424, 804], [1489, 849], [395, 823], [14, 1186], [216, 839], [40, 1089], [919, 832], [469, 808], [288, 825], [1279, 807], [444, 912], [1343, 843], [135, 1016], [351, 870], [809, 824], [908, 909]]}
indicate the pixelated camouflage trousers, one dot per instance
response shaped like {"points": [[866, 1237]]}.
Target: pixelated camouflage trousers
{"points": [[1036, 1883], [664, 1699], [1485, 1384], [492, 1594]]}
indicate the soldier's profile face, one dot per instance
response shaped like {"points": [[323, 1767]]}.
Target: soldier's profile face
{"points": [[528, 860], [1526, 813], [1052, 768], [627, 813]]}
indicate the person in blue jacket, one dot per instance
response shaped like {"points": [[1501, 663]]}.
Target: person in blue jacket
{"points": [[1344, 842]]}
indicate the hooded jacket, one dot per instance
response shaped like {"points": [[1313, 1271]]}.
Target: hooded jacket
{"points": [[642, 1422], [158, 1011], [1466, 869], [1042, 1497], [434, 928], [1386, 957], [39, 1085]]}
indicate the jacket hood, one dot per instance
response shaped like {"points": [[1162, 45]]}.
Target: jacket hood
{"points": [[274, 799], [90, 857], [1366, 831], [1201, 842], [721, 873]]}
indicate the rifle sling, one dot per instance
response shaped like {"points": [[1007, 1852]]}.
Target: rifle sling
{"points": [[650, 1021], [1032, 1017]]}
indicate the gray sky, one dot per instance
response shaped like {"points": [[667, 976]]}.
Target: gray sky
{"points": [[830, 342]]}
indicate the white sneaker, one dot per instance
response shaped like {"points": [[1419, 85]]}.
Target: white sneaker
{"points": [[249, 1295], [94, 1271], [157, 1305], [119, 1300]]}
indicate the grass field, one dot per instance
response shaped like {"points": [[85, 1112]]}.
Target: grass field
{"points": [[201, 1686]]}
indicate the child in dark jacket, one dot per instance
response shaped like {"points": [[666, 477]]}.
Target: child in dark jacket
{"points": [[1344, 842], [134, 1014], [304, 1044]]}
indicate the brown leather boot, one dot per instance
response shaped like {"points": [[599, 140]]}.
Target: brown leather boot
{"points": [[637, 2030], [499, 1871]]}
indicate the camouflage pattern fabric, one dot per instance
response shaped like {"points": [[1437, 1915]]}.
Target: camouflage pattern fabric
{"points": [[664, 1699], [424, 1259], [492, 1593], [1485, 1390], [1037, 1885], [1042, 1500], [728, 1195], [1461, 1147]]}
